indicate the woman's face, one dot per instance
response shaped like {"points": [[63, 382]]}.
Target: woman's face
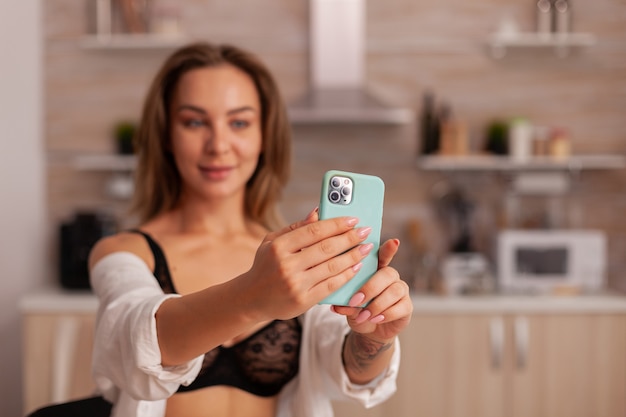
{"points": [[215, 131]]}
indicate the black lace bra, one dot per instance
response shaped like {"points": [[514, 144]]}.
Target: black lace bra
{"points": [[261, 364]]}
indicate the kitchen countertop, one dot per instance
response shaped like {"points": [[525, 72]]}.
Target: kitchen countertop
{"points": [[529, 304], [59, 300]]}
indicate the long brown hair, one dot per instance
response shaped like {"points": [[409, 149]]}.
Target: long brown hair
{"points": [[158, 184]]}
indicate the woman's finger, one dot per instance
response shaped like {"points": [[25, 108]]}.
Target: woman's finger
{"points": [[387, 251], [374, 290], [310, 218], [326, 252], [337, 264], [388, 297], [318, 233]]}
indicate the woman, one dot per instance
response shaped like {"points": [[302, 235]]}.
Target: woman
{"points": [[231, 325]]}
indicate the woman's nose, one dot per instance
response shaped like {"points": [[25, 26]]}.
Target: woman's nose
{"points": [[217, 140]]}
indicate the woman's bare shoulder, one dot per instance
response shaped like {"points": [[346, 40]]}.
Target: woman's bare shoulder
{"points": [[120, 242]]}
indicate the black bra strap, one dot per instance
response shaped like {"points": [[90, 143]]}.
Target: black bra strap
{"points": [[161, 269]]}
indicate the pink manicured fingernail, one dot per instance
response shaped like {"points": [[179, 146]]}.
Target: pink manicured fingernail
{"points": [[352, 221], [357, 299], [364, 231], [332, 308], [357, 267], [377, 319], [363, 315], [365, 249], [311, 214]]}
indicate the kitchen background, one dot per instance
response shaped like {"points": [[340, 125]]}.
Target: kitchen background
{"points": [[411, 46]]}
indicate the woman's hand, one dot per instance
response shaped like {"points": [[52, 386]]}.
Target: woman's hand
{"points": [[368, 347], [390, 308], [298, 266]]}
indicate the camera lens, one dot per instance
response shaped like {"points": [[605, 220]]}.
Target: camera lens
{"points": [[335, 182], [346, 191], [334, 196]]}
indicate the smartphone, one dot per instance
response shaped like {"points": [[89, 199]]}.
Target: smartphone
{"points": [[358, 195]]}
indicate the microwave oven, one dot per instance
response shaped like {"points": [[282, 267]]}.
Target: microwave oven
{"points": [[542, 261]]}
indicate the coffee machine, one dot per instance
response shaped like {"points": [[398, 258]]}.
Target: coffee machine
{"points": [[76, 238]]}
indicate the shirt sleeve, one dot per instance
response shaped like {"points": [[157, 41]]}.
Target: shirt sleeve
{"points": [[328, 334], [126, 352]]}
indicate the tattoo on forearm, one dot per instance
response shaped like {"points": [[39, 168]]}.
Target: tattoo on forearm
{"points": [[360, 352]]}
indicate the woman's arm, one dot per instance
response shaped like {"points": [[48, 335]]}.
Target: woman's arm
{"points": [[364, 358], [293, 269]]}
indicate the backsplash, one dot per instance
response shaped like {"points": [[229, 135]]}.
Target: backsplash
{"points": [[411, 46]]}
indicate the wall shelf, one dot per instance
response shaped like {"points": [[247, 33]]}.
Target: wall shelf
{"points": [[120, 184], [133, 41], [538, 175], [505, 163], [105, 162], [562, 44]]}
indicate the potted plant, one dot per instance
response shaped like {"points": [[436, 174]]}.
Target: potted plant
{"points": [[497, 138], [124, 134]]}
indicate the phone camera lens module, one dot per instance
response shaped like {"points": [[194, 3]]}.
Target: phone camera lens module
{"points": [[340, 190], [334, 196]]}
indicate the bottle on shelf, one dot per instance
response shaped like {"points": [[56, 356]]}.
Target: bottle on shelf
{"points": [[560, 144], [429, 125], [541, 141], [520, 139], [453, 139], [165, 19]]}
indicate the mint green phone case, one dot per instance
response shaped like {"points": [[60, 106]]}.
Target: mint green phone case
{"points": [[365, 202]]}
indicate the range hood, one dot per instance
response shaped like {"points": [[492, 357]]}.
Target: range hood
{"points": [[337, 91]]}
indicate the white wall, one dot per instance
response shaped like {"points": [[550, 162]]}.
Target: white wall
{"points": [[23, 226]]}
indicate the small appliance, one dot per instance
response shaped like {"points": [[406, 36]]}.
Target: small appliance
{"points": [[76, 238], [545, 261]]}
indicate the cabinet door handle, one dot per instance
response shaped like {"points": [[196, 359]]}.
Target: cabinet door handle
{"points": [[496, 334], [521, 341]]}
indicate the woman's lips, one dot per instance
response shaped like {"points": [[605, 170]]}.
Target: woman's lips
{"points": [[216, 173]]}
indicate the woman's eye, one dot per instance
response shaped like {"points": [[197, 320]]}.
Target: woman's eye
{"points": [[239, 124], [193, 123]]}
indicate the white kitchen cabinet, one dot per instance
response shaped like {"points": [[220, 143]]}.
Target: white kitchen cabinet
{"points": [[447, 369], [461, 356], [532, 365], [57, 338], [511, 357], [56, 369], [569, 365]]}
